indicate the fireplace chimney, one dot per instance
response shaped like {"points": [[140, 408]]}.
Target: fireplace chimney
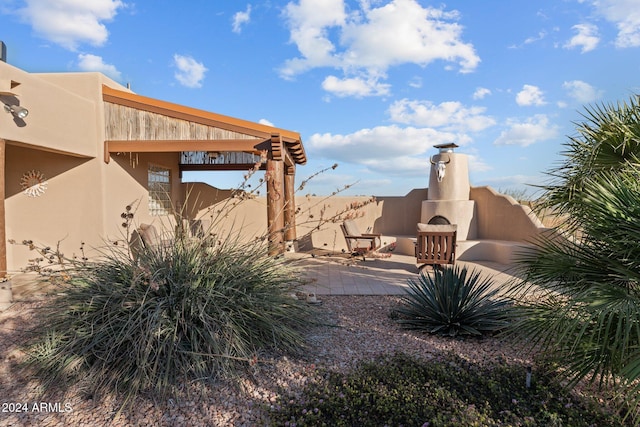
{"points": [[448, 194]]}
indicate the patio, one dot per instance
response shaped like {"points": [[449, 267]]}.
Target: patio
{"points": [[333, 274]]}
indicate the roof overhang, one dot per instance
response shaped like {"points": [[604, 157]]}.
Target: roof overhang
{"points": [[255, 136]]}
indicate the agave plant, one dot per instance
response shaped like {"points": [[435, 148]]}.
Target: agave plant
{"points": [[454, 301]]}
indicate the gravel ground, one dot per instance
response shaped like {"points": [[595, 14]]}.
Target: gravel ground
{"points": [[352, 328]]}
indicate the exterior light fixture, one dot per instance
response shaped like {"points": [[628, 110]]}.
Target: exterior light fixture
{"points": [[17, 111]]}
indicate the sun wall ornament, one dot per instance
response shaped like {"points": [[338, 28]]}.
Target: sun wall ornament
{"points": [[33, 183]]}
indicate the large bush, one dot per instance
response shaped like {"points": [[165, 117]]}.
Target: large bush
{"points": [[179, 312]]}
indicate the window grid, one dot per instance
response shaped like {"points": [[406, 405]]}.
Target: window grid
{"points": [[159, 184]]}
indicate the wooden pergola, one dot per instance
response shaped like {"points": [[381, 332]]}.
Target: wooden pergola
{"points": [[209, 142]]}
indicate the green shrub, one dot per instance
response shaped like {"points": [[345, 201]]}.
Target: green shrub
{"points": [[180, 312], [454, 301], [402, 391]]}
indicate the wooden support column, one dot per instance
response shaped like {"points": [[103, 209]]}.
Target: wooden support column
{"points": [[275, 203], [3, 230], [290, 204]]}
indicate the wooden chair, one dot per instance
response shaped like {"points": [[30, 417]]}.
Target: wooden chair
{"points": [[436, 245], [146, 237], [359, 243]]}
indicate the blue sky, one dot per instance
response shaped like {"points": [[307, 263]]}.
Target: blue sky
{"points": [[371, 84]]}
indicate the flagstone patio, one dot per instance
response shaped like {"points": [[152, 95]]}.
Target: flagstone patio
{"points": [[340, 275]]}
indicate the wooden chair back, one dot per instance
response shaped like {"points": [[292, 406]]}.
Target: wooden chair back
{"points": [[436, 245]]}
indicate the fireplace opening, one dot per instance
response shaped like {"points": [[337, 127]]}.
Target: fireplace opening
{"points": [[439, 220]]}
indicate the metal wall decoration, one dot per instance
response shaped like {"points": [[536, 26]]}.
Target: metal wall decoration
{"points": [[33, 183]]}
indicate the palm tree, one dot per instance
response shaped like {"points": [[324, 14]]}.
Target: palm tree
{"points": [[586, 274], [608, 139]]}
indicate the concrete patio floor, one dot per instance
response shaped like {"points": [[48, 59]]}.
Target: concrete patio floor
{"points": [[340, 275]]}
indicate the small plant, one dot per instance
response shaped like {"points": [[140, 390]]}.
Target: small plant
{"points": [[453, 302], [400, 390]]}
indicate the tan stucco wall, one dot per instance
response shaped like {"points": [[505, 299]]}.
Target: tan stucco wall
{"points": [[67, 119], [67, 211], [500, 217], [399, 215], [82, 203]]}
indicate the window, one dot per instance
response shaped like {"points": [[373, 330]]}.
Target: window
{"points": [[159, 190]]}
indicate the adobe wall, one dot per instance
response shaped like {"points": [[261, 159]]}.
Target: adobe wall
{"points": [[82, 202], [500, 217], [62, 119]]}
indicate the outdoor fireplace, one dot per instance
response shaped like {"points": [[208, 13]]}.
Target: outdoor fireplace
{"points": [[448, 195]]}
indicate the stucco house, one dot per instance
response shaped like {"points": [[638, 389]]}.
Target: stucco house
{"points": [[76, 148]]}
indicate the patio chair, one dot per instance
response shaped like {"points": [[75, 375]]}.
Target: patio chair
{"points": [[145, 237], [436, 245], [359, 243]]}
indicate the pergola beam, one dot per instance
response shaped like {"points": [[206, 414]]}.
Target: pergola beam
{"points": [[254, 146]]}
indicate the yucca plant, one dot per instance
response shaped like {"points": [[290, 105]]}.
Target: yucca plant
{"points": [[454, 301], [178, 313]]}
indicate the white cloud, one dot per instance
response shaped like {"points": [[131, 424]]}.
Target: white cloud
{"points": [[586, 38], [534, 129], [372, 148], [190, 72], [625, 14], [357, 86], [405, 166], [370, 40], [530, 95], [265, 122], [540, 36], [481, 93], [241, 18], [309, 22], [581, 91], [451, 115], [71, 22], [415, 82], [88, 62], [476, 163], [403, 31]]}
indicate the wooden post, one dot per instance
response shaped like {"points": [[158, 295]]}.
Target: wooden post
{"points": [[275, 205], [290, 204], [3, 230]]}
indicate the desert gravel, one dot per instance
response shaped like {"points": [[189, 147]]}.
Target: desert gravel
{"points": [[351, 328]]}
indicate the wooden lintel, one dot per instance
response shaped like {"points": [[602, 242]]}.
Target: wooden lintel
{"points": [[254, 146], [220, 167]]}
